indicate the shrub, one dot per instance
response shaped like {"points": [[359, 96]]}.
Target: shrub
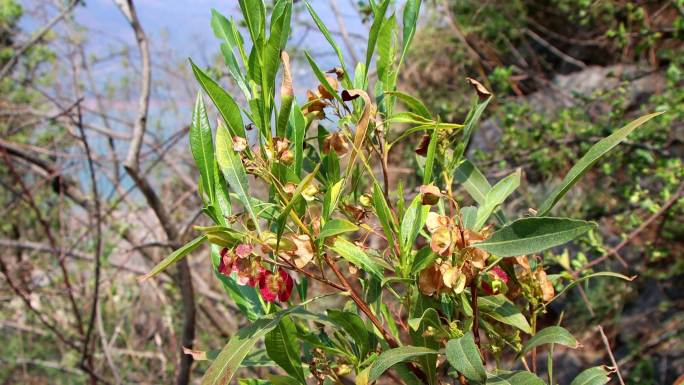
{"points": [[428, 287]]}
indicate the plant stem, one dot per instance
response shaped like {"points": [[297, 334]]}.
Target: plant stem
{"points": [[476, 321]]}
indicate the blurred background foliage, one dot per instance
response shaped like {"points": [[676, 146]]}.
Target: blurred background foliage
{"points": [[565, 73]]}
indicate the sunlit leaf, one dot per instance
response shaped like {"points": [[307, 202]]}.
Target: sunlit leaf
{"points": [[551, 335], [392, 357], [175, 257], [598, 375], [589, 159], [532, 235], [463, 355], [202, 147]]}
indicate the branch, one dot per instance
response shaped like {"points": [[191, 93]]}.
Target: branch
{"points": [[132, 167]]}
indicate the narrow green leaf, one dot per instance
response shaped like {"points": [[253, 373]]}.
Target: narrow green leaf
{"points": [[413, 220], [378, 20], [226, 105], [254, 13], [430, 157], [326, 33], [501, 309], [551, 335], [514, 378], [234, 171], [385, 59], [473, 181], [412, 103], [384, 213], [202, 147], [463, 356], [495, 197], [392, 357], [471, 122], [336, 227], [532, 235], [321, 78], [588, 277], [353, 254], [589, 159], [598, 375], [410, 19], [174, 257], [284, 349], [298, 124]]}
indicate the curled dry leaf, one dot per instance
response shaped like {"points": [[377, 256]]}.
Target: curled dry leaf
{"points": [[304, 252], [481, 90], [430, 194], [286, 85], [422, 148], [547, 290], [337, 142]]}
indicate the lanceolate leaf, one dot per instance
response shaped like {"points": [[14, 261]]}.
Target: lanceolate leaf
{"points": [[551, 335], [411, 10], [496, 196], [463, 356], [336, 227], [514, 378], [598, 375], [414, 105], [413, 221], [228, 361], [226, 105], [589, 159], [202, 147], [284, 348], [326, 33], [378, 20], [175, 257], [532, 235], [392, 357], [504, 311], [384, 213], [473, 181], [354, 326], [353, 254], [234, 171]]}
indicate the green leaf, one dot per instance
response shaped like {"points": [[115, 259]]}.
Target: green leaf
{"points": [[234, 171], [226, 105], [514, 378], [276, 379], [588, 277], [496, 196], [321, 78], [551, 335], [254, 13], [532, 235], [223, 29], [411, 11], [385, 58], [336, 227], [430, 156], [228, 361], [392, 357], [326, 33], [470, 123], [421, 337], [598, 375], [413, 221], [378, 20], [284, 349], [298, 124], [175, 257], [202, 147], [589, 159], [473, 181], [501, 309], [413, 104], [296, 197], [353, 254], [384, 213], [354, 326], [463, 356]]}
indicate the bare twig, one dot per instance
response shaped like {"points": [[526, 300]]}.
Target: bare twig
{"points": [[610, 354]]}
